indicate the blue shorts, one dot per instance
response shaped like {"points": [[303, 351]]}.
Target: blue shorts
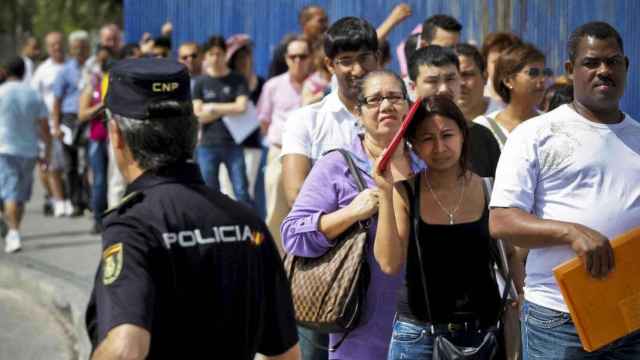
{"points": [[16, 177]]}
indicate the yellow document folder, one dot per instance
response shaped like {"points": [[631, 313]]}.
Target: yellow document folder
{"points": [[604, 310]]}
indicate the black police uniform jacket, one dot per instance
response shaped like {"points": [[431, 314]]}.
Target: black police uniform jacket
{"points": [[196, 269]]}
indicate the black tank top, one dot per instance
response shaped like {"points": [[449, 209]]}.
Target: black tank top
{"points": [[459, 274]]}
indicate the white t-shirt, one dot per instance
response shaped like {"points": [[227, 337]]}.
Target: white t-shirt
{"points": [[43, 80], [314, 129], [561, 166]]}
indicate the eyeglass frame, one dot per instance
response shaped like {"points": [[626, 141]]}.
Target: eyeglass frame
{"points": [[362, 100], [359, 58]]}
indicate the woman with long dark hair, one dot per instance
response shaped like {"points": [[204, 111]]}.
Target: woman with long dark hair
{"points": [[452, 257]]}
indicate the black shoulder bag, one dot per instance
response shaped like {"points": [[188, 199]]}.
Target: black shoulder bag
{"points": [[443, 349]]}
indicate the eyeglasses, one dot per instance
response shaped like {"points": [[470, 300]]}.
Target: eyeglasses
{"points": [[366, 59], [535, 72], [301, 57], [376, 100], [188, 56]]}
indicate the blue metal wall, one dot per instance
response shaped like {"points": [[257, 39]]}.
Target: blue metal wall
{"points": [[546, 23]]}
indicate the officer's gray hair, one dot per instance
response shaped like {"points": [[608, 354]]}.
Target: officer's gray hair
{"points": [[161, 141]]}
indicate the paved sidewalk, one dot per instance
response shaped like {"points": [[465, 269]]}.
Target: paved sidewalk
{"points": [[55, 270]]}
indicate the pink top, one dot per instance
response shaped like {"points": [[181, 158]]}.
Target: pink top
{"points": [[97, 130], [278, 98]]}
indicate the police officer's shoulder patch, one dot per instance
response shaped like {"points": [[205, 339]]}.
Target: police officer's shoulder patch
{"points": [[112, 261], [127, 200]]}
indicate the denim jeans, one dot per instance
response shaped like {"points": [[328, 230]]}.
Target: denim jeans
{"points": [[307, 338], [232, 156], [98, 161], [412, 341], [549, 334]]}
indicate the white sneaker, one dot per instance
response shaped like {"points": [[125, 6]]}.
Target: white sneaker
{"points": [[12, 242], [58, 208], [68, 208]]}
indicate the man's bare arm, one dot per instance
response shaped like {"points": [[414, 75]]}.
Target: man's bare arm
{"points": [[124, 342], [295, 168], [526, 230]]}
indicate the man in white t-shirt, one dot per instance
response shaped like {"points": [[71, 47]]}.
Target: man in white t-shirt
{"points": [[567, 183], [351, 49], [42, 81]]}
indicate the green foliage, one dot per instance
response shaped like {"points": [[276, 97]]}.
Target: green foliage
{"points": [[69, 15]]}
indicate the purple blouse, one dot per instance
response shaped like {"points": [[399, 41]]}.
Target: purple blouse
{"points": [[330, 187]]}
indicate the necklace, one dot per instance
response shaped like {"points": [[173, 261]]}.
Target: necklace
{"points": [[455, 209]]}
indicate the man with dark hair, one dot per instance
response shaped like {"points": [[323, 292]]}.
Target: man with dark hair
{"points": [[473, 77], [313, 22], [351, 49], [177, 255], [555, 182], [161, 47], [23, 118], [435, 70], [443, 30]]}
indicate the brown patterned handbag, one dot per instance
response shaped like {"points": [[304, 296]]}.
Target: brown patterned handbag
{"points": [[329, 291]]}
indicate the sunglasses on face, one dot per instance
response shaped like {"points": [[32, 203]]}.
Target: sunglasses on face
{"points": [[535, 72], [301, 57], [188, 56]]}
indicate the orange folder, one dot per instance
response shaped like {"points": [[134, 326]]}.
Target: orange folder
{"points": [[604, 310]]}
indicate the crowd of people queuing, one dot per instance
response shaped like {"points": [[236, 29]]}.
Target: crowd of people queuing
{"points": [[559, 148]]}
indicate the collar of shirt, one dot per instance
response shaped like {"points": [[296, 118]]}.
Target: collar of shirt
{"points": [[334, 104], [363, 162], [184, 173]]}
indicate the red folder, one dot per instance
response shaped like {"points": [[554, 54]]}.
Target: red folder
{"points": [[397, 138]]}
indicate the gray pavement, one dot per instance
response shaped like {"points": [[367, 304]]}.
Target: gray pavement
{"points": [[45, 286]]}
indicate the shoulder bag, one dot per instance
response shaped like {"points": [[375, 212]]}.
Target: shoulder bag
{"points": [[329, 291]]}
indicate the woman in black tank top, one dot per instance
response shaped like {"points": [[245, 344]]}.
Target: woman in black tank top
{"points": [[454, 241]]}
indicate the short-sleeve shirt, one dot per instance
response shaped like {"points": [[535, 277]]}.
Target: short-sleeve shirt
{"points": [[223, 89], [561, 166], [43, 80], [317, 128], [21, 108], [196, 269], [68, 85], [279, 97]]}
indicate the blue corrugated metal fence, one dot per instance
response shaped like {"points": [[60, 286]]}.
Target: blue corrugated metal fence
{"points": [[545, 23]]}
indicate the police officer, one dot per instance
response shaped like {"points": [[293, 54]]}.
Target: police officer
{"points": [[186, 272]]}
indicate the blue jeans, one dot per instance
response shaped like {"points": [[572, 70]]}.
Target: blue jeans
{"points": [[232, 156], [98, 161], [259, 191], [549, 334], [412, 341]]}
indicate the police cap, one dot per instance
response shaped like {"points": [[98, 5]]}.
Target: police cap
{"points": [[134, 84]]}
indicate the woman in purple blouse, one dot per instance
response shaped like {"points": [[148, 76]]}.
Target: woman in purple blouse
{"points": [[329, 204]]}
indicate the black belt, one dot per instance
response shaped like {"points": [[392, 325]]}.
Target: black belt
{"points": [[452, 327]]}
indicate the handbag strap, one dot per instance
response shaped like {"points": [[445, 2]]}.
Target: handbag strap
{"points": [[500, 256], [495, 128], [415, 221], [355, 173]]}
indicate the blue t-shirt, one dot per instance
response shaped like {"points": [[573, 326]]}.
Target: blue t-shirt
{"points": [[20, 109], [67, 86]]}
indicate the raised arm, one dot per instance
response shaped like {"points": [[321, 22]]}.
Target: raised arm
{"points": [[399, 13]]}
